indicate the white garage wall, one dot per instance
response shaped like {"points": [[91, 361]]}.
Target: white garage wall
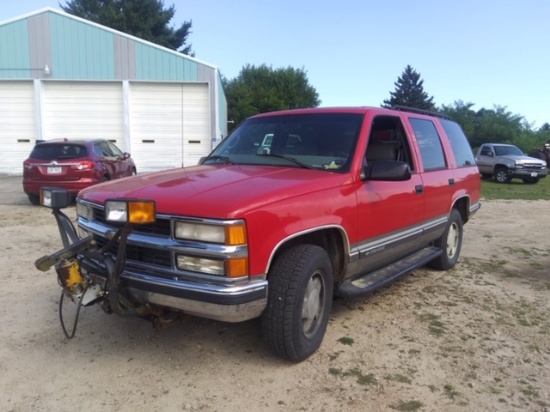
{"points": [[76, 110], [163, 125], [17, 124], [169, 124]]}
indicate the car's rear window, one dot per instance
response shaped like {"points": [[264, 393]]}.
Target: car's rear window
{"points": [[45, 151]]}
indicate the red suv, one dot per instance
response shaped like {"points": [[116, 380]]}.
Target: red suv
{"points": [[291, 209], [73, 165]]}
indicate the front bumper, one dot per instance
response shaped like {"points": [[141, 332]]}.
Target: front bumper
{"points": [[526, 173], [224, 303], [150, 277]]}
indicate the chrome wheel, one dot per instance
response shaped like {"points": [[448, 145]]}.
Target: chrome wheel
{"points": [[313, 306]]}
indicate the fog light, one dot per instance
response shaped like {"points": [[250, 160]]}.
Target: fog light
{"points": [[130, 211]]}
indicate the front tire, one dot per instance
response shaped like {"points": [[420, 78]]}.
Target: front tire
{"points": [[531, 180], [450, 243], [501, 175], [299, 302]]}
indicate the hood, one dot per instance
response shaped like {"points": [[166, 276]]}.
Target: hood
{"points": [[525, 159], [216, 191]]}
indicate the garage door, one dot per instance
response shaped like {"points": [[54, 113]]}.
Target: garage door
{"points": [[170, 124], [17, 125], [76, 110]]}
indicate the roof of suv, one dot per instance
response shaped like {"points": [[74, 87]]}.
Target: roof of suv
{"points": [[358, 109], [76, 141]]}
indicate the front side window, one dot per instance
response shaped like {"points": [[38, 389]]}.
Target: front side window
{"points": [[486, 151], [115, 150], [387, 141], [429, 143], [322, 141]]}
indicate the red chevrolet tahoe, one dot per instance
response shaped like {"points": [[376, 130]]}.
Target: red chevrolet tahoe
{"points": [[291, 209]]}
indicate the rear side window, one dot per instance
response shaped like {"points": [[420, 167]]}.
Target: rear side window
{"points": [[459, 143], [429, 144], [45, 151]]}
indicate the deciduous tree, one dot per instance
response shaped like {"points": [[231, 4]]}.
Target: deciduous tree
{"points": [[260, 89], [146, 19]]}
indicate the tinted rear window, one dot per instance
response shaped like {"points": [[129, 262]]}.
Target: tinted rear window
{"points": [[46, 151], [459, 142]]}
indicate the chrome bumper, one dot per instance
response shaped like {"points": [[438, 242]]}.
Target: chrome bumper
{"points": [[234, 303]]}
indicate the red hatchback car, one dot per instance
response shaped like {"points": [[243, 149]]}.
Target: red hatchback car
{"points": [[73, 165]]}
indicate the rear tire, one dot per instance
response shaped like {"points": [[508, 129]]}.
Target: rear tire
{"points": [[299, 302], [450, 243], [34, 199]]}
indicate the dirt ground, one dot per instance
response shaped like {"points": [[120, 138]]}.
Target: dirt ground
{"points": [[476, 338]]}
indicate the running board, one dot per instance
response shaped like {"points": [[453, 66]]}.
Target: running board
{"points": [[367, 283]]}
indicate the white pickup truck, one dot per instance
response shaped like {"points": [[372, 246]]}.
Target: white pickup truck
{"points": [[504, 162]]}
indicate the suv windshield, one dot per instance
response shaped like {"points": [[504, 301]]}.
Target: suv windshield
{"points": [[324, 141], [46, 151]]}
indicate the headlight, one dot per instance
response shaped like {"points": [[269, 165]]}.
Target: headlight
{"points": [[519, 166], [203, 265], [230, 234], [84, 211], [130, 211]]}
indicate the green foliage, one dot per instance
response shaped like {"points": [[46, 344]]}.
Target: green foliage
{"points": [[262, 89], [496, 125], [409, 91], [146, 19]]}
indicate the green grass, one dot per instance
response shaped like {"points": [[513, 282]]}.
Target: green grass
{"points": [[516, 189]]}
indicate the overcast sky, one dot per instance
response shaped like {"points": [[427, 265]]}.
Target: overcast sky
{"points": [[488, 52]]}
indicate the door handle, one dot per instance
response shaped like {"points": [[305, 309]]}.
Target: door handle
{"points": [[451, 182], [419, 189]]}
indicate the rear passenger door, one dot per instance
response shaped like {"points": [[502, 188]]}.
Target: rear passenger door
{"points": [[437, 177]]}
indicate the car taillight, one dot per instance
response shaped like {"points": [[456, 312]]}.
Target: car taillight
{"points": [[87, 165], [27, 166]]}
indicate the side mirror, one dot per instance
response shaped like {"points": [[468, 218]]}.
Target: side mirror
{"points": [[126, 155], [386, 170]]}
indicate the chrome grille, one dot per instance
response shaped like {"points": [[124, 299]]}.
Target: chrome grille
{"points": [[140, 254]]}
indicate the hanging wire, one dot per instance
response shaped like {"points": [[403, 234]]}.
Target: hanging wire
{"points": [[76, 315]]}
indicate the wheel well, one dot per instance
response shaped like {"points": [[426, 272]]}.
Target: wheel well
{"points": [[463, 207], [330, 239]]}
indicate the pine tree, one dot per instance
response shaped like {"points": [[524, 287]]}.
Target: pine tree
{"points": [[409, 91]]}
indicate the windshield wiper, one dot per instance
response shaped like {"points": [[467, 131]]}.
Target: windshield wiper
{"points": [[288, 158], [224, 159]]}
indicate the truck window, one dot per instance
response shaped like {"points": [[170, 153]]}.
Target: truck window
{"points": [[388, 141], [459, 143], [429, 143]]}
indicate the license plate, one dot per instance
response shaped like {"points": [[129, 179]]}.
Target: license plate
{"points": [[534, 174], [54, 170]]}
